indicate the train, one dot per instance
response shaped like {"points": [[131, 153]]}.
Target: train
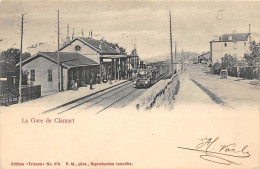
{"points": [[152, 73], [144, 78]]}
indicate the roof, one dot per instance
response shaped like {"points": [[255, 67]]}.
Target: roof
{"points": [[100, 46], [205, 55], [132, 56], [67, 59], [235, 37], [7, 67]]}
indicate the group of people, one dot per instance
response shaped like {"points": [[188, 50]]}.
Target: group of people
{"points": [[96, 79], [75, 83]]}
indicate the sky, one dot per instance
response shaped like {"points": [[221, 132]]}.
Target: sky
{"points": [[127, 22]]}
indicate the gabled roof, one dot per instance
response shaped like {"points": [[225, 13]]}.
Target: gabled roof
{"points": [[235, 37], [205, 55], [67, 59], [99, 46], [6, 67]]}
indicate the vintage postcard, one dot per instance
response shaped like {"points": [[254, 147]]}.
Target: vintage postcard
{"points": [[129, 84]]}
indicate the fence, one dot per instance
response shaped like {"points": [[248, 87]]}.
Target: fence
{"points": [[249, 72], [8, 97]]}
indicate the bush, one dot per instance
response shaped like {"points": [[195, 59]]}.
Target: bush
{"points": [[228, 61], [216, 68]]}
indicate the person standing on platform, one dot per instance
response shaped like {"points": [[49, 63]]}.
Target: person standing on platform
{"points": [[76, 84], [98, 79], [110, 79], [91, 82]]}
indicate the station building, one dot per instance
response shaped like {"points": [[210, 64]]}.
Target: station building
{"points": [[112, 61], [42, 70], [81, 59]]}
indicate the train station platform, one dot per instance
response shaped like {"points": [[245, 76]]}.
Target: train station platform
{"points": [[47, 102]]}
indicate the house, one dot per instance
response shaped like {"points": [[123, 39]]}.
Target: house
{"points": [[133, 60], [9, 76], [43, 70], [204, 57], [109, 57], [9, 81], [235, 44]]}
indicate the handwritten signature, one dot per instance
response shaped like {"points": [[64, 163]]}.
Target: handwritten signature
{"points": [[221, 154]]}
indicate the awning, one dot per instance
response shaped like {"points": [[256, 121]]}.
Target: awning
{"points": [[113, 56]]}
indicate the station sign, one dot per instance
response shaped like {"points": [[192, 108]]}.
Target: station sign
{"points": [[3, 79]]}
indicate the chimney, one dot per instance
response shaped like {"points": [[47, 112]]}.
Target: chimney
{"points": [[68, 36], [91, 34], [118, 49], [72, 36], [234, 31], [82, 32], [216, 37], [250, 33], [100, 45]]}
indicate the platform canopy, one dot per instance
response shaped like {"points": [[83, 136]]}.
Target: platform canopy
{"points": [[113, 56]]}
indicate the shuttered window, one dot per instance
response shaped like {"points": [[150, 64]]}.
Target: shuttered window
{"points": [[32, 73], [49, 75]]}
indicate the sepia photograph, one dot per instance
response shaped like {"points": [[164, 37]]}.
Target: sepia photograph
{"points": [[132, 84]]}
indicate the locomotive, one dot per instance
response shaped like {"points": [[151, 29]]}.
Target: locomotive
{"points": [[153, 73], [144, 78]]}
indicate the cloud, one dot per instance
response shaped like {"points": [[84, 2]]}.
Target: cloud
{"points": [[194, 23]]}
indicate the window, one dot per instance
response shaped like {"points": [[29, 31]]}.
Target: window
{"points": [[32, 72], [234, 45], [14, 80], [77, 48], [49, 75], [225, 44]]}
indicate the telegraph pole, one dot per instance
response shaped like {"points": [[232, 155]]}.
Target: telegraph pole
{"points": [[175, 51], [250, 33], [59, 78], [171, 40], [21, 52]]}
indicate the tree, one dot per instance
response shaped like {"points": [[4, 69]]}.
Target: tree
{"points": [[254, 56], [216, 68], [25, 77], [12, 56], [228, 61]]}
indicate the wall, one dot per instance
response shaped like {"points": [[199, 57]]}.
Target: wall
{"points": [[219, 50], [85, 50], [65, 78], [41, 66]]}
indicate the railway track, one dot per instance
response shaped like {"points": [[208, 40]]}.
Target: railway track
{"points": [[98, 99], [77, 102], [117, 101], [115, 96]]}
